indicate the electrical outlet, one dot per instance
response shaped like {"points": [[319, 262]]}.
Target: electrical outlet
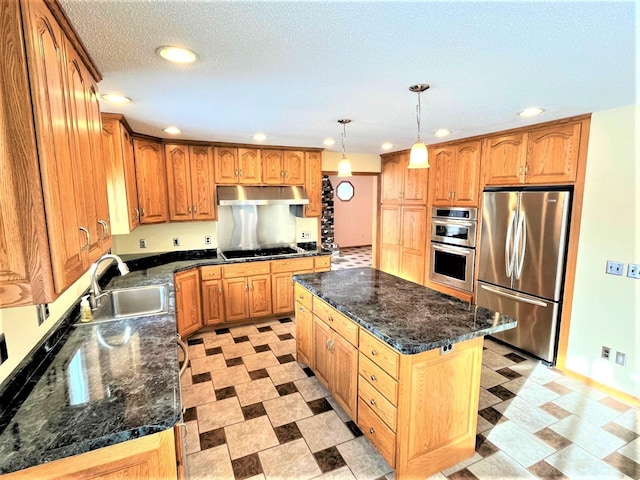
{"points": [[3, 349], [305, 235], [43, 312], [207, 239], [606, 352], [614, 268], [176, 242], [633, 271], [621, 359], [143, 243]]}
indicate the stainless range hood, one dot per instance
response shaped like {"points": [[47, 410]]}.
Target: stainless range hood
{"points": [[241, 195]]}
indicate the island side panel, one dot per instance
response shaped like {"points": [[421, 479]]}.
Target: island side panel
{"points": [[437, 409]]}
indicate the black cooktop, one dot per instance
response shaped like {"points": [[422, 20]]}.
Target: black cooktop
{"points": [[259, 252]]}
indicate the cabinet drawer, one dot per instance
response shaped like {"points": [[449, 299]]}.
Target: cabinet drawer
{"points": [[246, 269], [380, 379], [322, 264], [382, 354], [291, 265], [377, 432], [303, 296], [211, 272], [377, 403], [347, 328]]}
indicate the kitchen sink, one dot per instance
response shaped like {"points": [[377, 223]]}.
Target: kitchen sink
{"points": [[132, 302]]}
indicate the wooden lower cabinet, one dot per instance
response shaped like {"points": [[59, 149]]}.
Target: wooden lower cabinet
{"points": [[188, 301], [150, 457], [247, 297], [212, 302]]}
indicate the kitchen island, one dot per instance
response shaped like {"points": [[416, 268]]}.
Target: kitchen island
{"points": [[404, 361]]}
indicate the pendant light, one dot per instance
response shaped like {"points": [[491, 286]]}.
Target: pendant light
{"points": [[419, 157], [344, 167]]}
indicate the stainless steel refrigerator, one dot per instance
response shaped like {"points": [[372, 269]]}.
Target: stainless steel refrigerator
{"points": [[521, 264]]}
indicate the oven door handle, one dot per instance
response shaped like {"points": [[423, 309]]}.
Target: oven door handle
{"points": [[537, 303], [449, 249], [456, 223]]}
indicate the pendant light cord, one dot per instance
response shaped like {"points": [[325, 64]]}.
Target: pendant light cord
{"points": [[344, 136], [418, 112]]}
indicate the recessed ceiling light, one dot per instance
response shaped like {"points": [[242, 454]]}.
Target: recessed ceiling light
{"points": [[259, 137], [386, 146], [173, 130], [329, 141], [531, 112], [177, 54], [442, 132], [115, 98]]}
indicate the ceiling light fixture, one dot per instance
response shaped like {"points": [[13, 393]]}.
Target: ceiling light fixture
{"points": [[531, 112], [386, 146], [259, 137], [115, 98], [419, 158], [442, 132], [329, 141], [177, 54], [344, 166], [172, 130]]}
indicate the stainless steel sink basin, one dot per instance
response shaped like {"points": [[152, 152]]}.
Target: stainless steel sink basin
{"points": [[132, 302]]}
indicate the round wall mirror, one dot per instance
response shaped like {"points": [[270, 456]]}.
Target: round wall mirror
{"points": [[344, 191]]}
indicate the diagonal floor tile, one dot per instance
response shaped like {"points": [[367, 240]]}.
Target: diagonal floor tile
{"points": [[524, 447], [219, 414], [575, 462], [590, 410], [584, 433], [287, 409], [324, 430], [256, 391], [277, 464], [363, 459], [250, 437], [210, 463], [499, 465]]}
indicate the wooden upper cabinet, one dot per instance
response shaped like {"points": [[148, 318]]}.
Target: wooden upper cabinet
{"points": [[293, 167], [503, 159], [249, 166], [313, 184], [120, 172], [455, 171], [552, 154], [401, 184], [544, 156], [226, 165], [272, 170], [151, 178], [203, 189]]}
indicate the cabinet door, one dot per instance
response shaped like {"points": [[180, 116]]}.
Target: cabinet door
{"points": [[391, 179], [62, 195], [503, 159], [272, 171], [467, 174], [344, 381], [178, 182], [188, 301], [203, 188], [441, 173], [390, 236], [151, 178], [414, 189], [304, 335], [260, 296], [236, 304], [414, 224], [282, 285], [552, 154], [212, 302], [226, 165], [313, 184], [130, 178], [249, 165], [322, 358], [293, 167]]}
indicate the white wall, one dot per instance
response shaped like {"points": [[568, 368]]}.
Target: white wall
{"points": [[606, 308]]}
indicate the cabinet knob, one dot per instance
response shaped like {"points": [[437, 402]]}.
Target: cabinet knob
{"points": [[211, 274], [526, 169], [236, 173], [372, 401], [301, 309], [373, 378], [219, 290], [142, 212], [330, 318], [189, 209], [373, 352], [194, 209], [372, 431], [240, 172]]}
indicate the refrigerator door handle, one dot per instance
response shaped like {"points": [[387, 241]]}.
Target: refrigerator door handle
{"points": [[509, 258], [531, 301], [521, 243]]}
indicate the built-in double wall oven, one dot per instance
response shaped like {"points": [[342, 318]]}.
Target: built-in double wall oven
{"points": [[453, 242]]}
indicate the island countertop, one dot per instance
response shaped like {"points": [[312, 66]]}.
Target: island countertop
{"points": [[409, 317]]}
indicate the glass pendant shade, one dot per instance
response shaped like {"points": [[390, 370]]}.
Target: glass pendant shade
{"points": [[419, 157], [344, 167]]}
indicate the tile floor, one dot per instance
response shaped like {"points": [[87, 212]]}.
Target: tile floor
{"points": [[252, 411], [351, 257]]}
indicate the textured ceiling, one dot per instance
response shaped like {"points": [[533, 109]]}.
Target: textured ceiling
{"points": [[292, 69]]}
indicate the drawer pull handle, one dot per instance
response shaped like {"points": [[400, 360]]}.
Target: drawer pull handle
{"points": [[372, 431], [301, 297], [301, 309], [373, 378], [372, 401], [330, 318], [373, 352]]}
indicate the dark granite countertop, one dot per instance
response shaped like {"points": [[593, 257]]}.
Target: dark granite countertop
{"points": [[409, 317], [108, 382]]}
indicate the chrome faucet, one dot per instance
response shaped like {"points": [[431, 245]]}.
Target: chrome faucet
{"points": [[94, 292]]}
